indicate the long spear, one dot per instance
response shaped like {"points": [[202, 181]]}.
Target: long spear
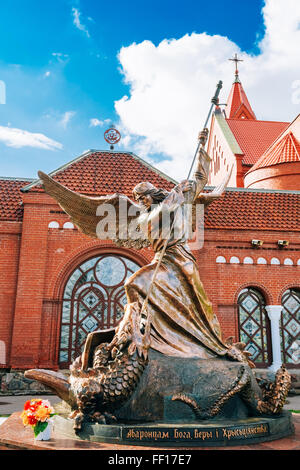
{"points": [[202, 140], [214, 102]]}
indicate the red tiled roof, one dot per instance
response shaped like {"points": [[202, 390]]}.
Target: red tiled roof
{"points": [[238, 106], [254, 137], [236, 209], [285, 150], [11, 198], [98, 173], [255, 210]]}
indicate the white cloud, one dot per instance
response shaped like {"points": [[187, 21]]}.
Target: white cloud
{"points": [[67, 116], [61, 57], [94, 122], [77, 22], [171, 85], [19, 138], [47, 74]]}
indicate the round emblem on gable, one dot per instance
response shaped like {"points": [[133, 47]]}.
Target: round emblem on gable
{"points": [[112, 136]]}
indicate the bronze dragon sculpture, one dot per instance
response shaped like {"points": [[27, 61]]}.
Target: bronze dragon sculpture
{"points": [[101, 382], [104, 378], [273, 398]]}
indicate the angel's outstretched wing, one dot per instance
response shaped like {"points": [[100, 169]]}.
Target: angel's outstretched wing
{"points": [[208, 198], [85, 214]]}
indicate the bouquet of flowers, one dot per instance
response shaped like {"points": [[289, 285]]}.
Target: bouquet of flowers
{"points": [[36, 414]]}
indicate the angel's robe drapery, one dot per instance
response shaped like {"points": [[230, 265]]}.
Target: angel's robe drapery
{"points": [[183, 321]]}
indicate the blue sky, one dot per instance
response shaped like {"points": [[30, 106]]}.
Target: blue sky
{"points": [[60, 64]]}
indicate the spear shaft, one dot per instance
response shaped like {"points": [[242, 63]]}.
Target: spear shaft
{"points": [[214, 102]]}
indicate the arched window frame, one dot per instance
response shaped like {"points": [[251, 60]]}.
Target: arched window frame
{"points": [[261, 260], [68, 225], [53, 224], [254, 315], [70, 346]]}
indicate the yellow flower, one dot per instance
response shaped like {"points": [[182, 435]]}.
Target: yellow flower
{"points": [[42, 414], [24, 418]]}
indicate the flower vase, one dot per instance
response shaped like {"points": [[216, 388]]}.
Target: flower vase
{"points": [[46, 434]]}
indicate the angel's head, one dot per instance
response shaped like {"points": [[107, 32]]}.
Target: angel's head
{"points": [[147, 194]]}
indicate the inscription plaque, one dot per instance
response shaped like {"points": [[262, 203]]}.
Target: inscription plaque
{"points": [[195, 434]]}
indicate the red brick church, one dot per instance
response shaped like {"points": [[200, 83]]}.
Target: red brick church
{"points": [[57, 285]]}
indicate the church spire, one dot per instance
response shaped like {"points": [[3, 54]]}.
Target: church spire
{"points": [[238, 106]]}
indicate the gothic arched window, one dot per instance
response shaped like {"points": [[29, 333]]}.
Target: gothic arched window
{"points": [[254, 325], [290, 327], [93, 299]]}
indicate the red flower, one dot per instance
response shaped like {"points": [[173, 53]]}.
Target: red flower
{"points": [[35, 404], [27, 405], [32, 420]]}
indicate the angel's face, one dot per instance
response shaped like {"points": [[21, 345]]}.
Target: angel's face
{"points": [[145, 200]]}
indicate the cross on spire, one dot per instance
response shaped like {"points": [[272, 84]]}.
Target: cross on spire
{"points": [[236, 60], [238, 106]]}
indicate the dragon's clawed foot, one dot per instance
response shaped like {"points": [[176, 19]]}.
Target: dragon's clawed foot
{"points": [[97, 417], [103, 418], [78, 417]]}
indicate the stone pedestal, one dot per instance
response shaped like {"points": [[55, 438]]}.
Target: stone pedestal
{"points": [[115, 439], [211, 433]]}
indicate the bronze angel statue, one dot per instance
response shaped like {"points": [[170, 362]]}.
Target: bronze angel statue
{"points": [[182, 319], [167, 308]]}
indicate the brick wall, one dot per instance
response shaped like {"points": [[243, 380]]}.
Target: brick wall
{"points": [[224, 281], [10, 236], [280, 176]]}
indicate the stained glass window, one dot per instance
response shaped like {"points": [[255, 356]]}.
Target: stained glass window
{"points": [[254, 326], [94, 298]]}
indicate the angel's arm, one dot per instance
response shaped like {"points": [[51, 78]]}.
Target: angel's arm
{"points": [[202, 171], [192, 188]]}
